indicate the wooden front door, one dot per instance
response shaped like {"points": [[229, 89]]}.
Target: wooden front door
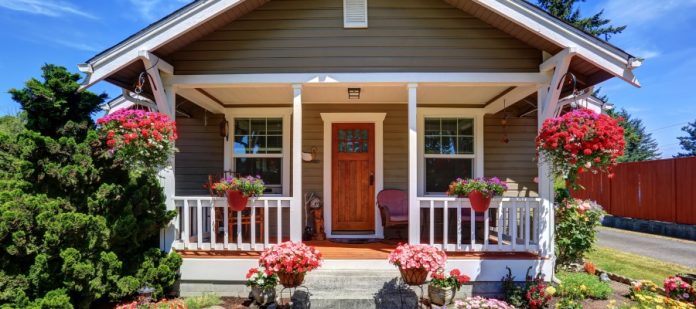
{"points": [[353, 177]]}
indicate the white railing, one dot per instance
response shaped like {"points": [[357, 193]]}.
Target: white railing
{"points": [[200, 223], [510, 224]]}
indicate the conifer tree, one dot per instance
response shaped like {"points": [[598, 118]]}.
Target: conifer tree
{"points": [[688, 142], [567, 11]]}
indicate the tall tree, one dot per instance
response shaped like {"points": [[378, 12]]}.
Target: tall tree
{"points": [[688, 142], [640, 145], [566, 10]]}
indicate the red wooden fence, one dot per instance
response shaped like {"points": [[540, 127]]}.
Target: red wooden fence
{"points": [[663, 190]]}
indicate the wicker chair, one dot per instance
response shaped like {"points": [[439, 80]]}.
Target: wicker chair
{"points": [[393, 208]]}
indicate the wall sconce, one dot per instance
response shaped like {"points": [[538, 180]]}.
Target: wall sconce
{"points": [[309, 156], [224, 128], [353, 93]]}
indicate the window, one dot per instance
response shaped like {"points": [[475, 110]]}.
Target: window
{"points": [[448, 151], [355, 13], [258, 150]]}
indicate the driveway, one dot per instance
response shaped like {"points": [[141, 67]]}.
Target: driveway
{"points": [[671, 250]]}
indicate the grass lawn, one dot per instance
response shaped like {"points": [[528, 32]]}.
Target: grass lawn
{"points": [[634, 266]]}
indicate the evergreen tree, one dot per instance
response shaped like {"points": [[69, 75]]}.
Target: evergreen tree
{"points": [[12, 125], [567, 11], [688, 142], [74, 227], [640, 145]]}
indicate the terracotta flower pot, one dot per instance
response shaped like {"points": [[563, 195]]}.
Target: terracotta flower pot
{"points": [[236, 200], [440, 296], [479, 202], [413, 276], [291, 280], [263, 296]]}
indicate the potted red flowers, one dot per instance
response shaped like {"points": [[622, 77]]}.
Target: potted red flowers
{"points": [[416, 261], [238, 190], [291, 261], [442, 287], [580, 141], [263, 283], [480, 191], [138, 139]]}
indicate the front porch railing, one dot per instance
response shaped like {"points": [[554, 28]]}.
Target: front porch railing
{"points": [[206, 223], [511, 224]]}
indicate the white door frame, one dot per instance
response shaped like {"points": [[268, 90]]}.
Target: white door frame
{"points": [[329, 119]]}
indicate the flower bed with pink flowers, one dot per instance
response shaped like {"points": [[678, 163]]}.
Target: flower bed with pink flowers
{"points": [[139, 139], [678, 289], [290, 257], [580, 141], [407, 256]]}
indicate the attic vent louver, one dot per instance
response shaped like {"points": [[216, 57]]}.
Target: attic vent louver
{"points": [[355, 13]]}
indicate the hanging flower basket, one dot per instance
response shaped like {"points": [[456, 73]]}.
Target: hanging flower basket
{"points": [[137, 139], [236, 200], [413, 276], [291, 280], [239, 190], [480, 191], [580, 141]]}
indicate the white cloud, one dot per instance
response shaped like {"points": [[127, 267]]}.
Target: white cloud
{"points": [[150, 10], [636, 13], [46, 8], [645, 53]]}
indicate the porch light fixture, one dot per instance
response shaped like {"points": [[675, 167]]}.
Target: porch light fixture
{"points": [[353, 93]]}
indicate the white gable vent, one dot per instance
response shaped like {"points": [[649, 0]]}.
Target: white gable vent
{"points": [[355, 13]]}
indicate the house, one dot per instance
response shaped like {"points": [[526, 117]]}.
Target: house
{"points": [[379, 94]]}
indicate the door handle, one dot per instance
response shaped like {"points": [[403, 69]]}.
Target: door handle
{"points": [[372, 179]]}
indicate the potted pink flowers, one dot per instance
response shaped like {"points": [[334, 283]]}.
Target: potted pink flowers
{"points": [[291, 261], [262, 282], [416, 261], [443, 286], [238, 190], [480, 191]]}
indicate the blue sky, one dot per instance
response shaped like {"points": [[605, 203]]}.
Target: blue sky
{"points": [[69, 32]]}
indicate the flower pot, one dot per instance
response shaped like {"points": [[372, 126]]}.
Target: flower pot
{"points": [[236, 200], [440, 296], [413, 276], [291, 280], [479, 202], [263, 296]]}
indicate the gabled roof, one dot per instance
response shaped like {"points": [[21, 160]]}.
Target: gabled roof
{"points": [[598, 60]]}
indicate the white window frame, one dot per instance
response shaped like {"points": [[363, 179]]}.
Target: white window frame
{"points": [[263, 112], [435, 112], [347, 23]]}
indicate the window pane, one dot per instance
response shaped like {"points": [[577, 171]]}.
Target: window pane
{"points": [[274, 126], [432, 126], [256, 144], [449, 145], [241, 126], [268, 168], [258, 126], [449, 127], [465, 145], [432, 144], [241, 144], [274, 144], [439, 173], [466, 126]]}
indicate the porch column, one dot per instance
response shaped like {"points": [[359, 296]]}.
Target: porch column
{"points": [[166, 175], [296, 206], [413, 206], [545, 189]]}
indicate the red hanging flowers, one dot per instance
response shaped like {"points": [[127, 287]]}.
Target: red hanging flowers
{"points": [[580, 141], [139, 139]]}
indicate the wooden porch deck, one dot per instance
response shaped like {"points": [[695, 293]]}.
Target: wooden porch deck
{"points": [[369, 251]]}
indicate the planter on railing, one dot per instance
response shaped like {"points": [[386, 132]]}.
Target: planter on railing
{"points": [[479, 190], [236, 200], [238, 190]]}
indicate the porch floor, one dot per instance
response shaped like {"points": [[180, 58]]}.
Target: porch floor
{"points": [[370, 251]]}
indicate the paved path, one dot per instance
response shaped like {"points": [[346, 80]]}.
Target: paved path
{"points": [[667, 249]]}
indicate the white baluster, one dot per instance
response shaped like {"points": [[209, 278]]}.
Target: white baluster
{"points": [[501, 224], [279, 215], [226, 225], [513, 224], [445, 223], [186, 230], [265, 224], [252, 225], [239, 230], [486, 225], [432, 222], [459, 224], [213, 226], [199, 224], [526, 224]]}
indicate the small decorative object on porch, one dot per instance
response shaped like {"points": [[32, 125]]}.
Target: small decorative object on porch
{"points": [[580, 141], [416, 261], [263, 283], [291, 261], [138, 139], [239, 189], [443, 286], [480, 302], [313, 203], [480, 191]]}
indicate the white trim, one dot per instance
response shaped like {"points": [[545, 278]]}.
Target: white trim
{"points": [[560, 64], [589, 48], [331, 118], [510, 98], [264, 112], [471, 78], [297, 201], [414, 219], [476, 114]]}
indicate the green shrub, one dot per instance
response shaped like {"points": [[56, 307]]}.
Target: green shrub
{"points": [[204, 301], [576, 224], [578, 286]]}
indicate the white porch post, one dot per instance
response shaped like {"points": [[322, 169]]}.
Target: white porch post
{"points": [[296, 206], [166, 175], [414, 223]]}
